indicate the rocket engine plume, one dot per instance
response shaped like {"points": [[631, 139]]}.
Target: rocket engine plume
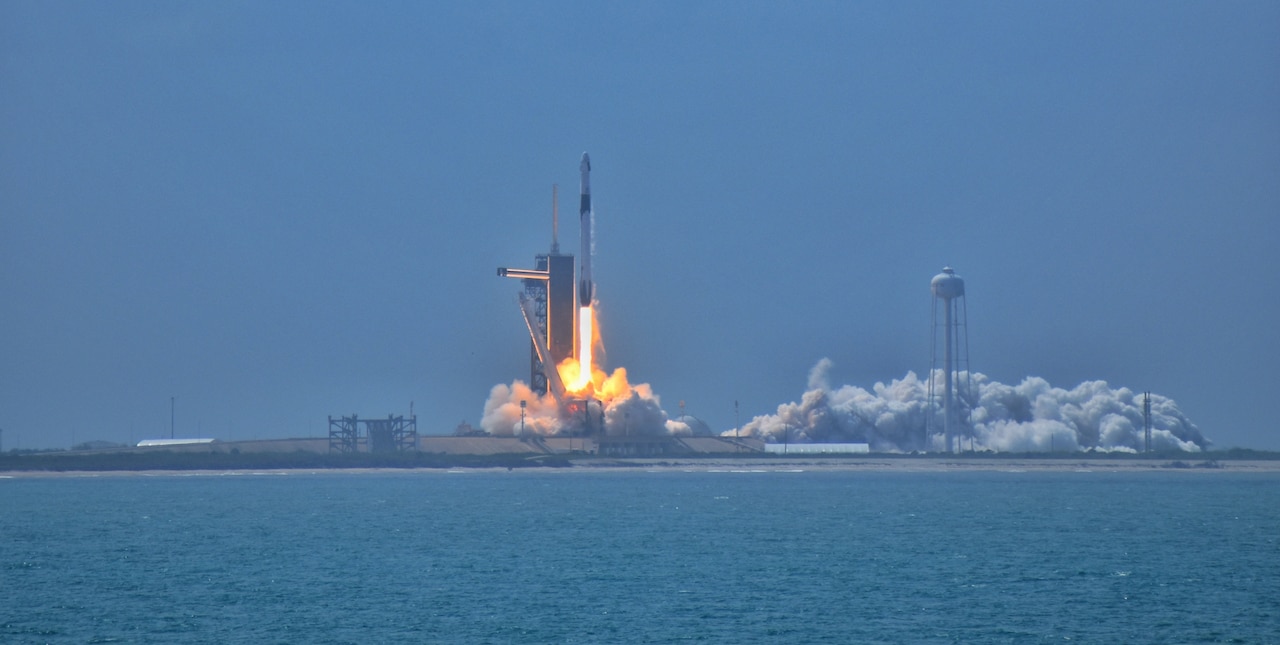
{"points": [[577, 383]]}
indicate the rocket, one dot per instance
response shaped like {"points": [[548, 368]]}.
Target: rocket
{"points": [[585, 286]]}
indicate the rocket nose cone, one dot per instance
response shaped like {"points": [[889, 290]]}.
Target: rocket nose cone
{"points": [[586, 163]]}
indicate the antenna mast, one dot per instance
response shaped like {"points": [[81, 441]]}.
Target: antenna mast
{"points": [[555, 218]]}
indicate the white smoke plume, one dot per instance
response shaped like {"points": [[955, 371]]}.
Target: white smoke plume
{"points": [[1030, 416], [627, 410]]}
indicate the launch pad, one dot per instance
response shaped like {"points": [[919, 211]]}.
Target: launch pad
{"points": [[551, 298], [570, 392]]}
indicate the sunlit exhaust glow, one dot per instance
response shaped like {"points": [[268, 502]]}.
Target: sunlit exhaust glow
{"points": [[576, 374], [615, 406]]}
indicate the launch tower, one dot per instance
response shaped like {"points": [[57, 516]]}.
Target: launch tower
{"points": [[548, 305]]}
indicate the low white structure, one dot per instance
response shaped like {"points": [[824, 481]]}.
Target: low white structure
{"points": [[172, 442], [817, 448]]}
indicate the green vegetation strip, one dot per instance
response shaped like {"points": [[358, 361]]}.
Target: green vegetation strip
{"points": [[69, 461], [164, 460]]}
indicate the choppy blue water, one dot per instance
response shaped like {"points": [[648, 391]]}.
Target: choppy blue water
{"points": [[638, 557]]}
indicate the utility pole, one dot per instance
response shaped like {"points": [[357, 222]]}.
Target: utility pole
{"points": [[171, 404], [1146, 421]]}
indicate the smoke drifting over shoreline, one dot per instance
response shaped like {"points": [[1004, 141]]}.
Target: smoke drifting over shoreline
{"points": [[1028, 417], [1032, 416]]}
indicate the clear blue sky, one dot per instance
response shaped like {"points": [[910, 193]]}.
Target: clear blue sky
{"points": [[278, 212]]}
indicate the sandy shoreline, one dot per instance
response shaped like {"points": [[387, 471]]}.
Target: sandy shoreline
{"points": [[870, 464]]}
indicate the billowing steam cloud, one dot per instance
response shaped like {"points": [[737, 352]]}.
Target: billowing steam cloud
{"points": [[1030, 416], [627, 410]]}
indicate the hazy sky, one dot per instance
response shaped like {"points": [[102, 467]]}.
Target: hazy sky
{"points": [[277, 212]]}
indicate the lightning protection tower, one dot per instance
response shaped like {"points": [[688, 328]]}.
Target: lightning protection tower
{"points": [[1146, 422], [948, 291]]}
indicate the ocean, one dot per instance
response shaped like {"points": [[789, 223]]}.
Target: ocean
{"points": [[574, 556]]}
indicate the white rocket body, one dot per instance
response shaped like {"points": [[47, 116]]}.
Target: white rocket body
{"points": [[585, 287]]}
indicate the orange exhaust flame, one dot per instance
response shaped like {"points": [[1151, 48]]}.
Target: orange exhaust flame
{"points": [[584, 379], [617, 407]]}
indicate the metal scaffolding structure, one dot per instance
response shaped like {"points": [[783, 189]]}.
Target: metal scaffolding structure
{"points": [[392, 434], [547, 303], [536, 291]]}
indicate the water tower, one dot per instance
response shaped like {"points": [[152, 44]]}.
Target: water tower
{"points": [[948, 291]]}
